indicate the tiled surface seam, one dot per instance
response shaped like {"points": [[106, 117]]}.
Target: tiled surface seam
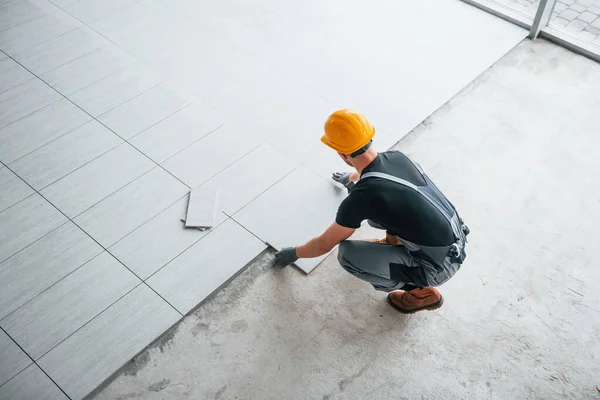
{"points": [[34, 363]]}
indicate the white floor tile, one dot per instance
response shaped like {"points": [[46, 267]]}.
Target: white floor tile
{"points": [[48, 164], [12, 359], [180, 130], [26, 222], [61, 310], [17, 13], [145, 110], [163, 30], [324, 161], [39, 128], [88, 11], [36, 32], [97, 180], [300, 220], [12, 189], [131, 19], [298, 142], [12, 74], [93, 353], [205, 266], [31, 384], [248, 177], [40, 265], [61, 50], [210, 155], [87, 69], [157, 242], [129, 208], [63, 3], [25, 99], [116, 89]]}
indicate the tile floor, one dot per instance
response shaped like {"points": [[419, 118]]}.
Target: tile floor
{"points": [[110, 111]]}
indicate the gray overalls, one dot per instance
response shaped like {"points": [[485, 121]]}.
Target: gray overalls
{"points": [[389, 267]]}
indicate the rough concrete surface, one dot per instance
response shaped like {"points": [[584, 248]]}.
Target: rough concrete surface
{"points": [[516, 152]]}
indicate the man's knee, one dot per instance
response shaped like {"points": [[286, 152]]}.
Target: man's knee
{"points": [[342, 251], [346, 251]]}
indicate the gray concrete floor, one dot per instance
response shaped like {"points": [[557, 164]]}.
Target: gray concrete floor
{"points": [[516, 151]]}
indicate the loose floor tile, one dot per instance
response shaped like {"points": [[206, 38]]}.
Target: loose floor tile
{"points": [[129, 208], [213, 153], [47, 164], [31, 384], [157, 242], [39, 128], [145, 110], [87, 69], [116, 89], [97, 180], [40, 265], [93, 353], [26, 222], [300, 220], [247, 178], [12, 359], [175, 133], [58, 312], [61, 50], [25, 99], [203, 207], [12, 74], [205, 266], [36, 32], [12, 189]]}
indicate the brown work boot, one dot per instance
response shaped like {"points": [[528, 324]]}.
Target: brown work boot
{"points": [[416, 300], [388, 239]]}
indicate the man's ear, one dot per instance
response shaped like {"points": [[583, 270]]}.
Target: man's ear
{"points": [[346, 159]]}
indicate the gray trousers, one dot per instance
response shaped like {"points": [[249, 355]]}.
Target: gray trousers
{"points": [[384, 266]]}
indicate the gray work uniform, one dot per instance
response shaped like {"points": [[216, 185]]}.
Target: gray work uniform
{"points": [[390, 267]]}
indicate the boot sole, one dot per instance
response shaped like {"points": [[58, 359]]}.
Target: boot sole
{"points": [[429, 307]]}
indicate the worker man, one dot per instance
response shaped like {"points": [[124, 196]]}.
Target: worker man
{"points": [[425, 237]]}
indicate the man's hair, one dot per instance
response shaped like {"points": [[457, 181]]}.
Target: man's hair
{"points": [[361, 150]]}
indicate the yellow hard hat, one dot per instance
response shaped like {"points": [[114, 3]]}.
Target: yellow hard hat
{"points": [[347, 131]]}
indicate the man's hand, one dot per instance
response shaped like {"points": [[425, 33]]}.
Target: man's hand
{"points": [[344, 179], [341, 177], [286, 256], [325, 242]]}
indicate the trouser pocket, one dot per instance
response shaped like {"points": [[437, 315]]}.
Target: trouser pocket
{"points": [[408, 274]]}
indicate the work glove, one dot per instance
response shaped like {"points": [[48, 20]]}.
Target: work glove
{"points": [[344, 179], [286, 256]]}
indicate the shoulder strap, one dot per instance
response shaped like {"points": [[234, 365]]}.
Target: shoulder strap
{"points": [[390, 178], [407, 184]]}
